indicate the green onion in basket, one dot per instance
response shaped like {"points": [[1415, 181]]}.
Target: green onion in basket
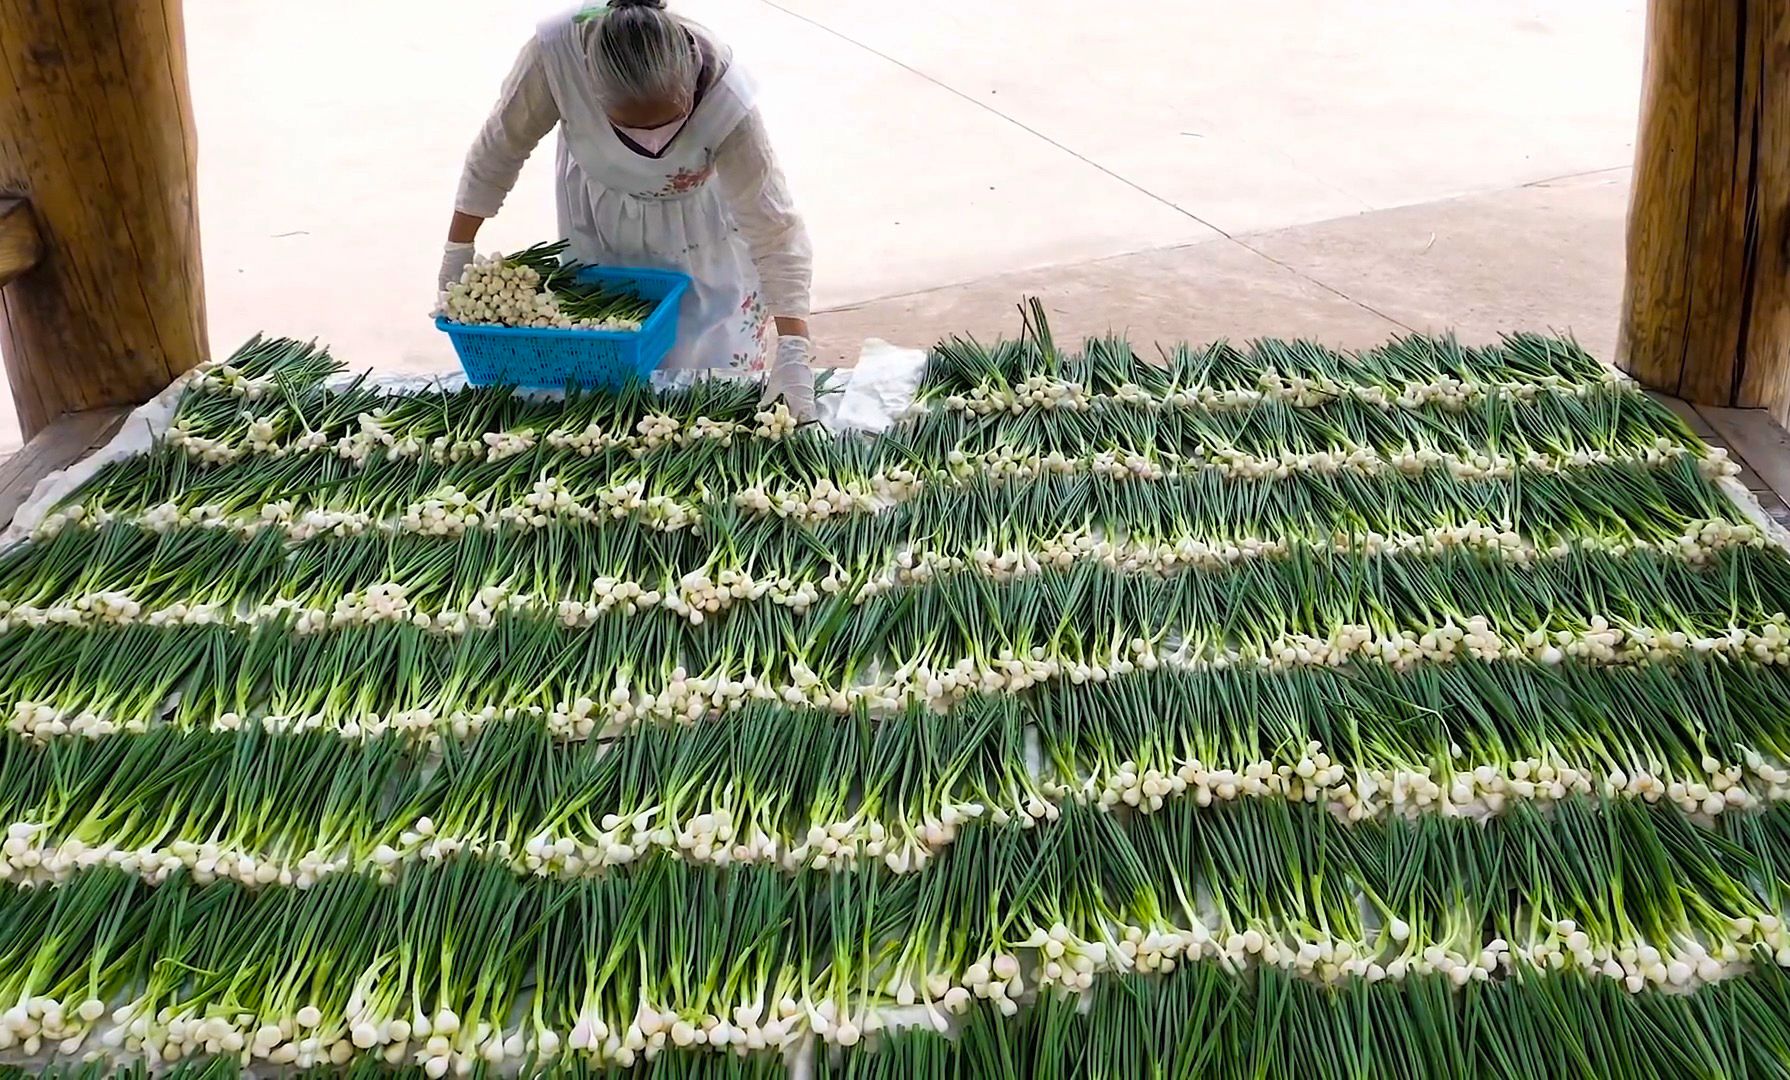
{"points": [[534, 289]]}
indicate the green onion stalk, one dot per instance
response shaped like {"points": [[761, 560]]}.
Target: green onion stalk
{"points": [[71, 952]]}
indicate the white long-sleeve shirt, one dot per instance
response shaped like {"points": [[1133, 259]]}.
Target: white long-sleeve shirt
{"points": [[752, 185]]}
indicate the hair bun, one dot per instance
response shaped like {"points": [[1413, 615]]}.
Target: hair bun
{"points": [[617, 5]]}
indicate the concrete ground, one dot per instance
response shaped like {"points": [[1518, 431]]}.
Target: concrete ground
{"points": [[1540, 256], [1174, 168]]}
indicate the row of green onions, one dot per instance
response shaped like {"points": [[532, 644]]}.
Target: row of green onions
{"points": [[1085, 616], [894, 790], [1610, 420], [1613, 500], [1671, 722], [159, 568]]}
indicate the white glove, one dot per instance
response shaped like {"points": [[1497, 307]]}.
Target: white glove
{"points": [[791, 378], [455, 258]]}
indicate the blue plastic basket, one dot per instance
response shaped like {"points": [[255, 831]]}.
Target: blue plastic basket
{"points": [[555, 359]]}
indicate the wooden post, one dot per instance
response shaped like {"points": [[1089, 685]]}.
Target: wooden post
{"points": [[96, 133], [1706, 307]]}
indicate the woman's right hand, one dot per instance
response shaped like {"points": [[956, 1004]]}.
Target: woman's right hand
{"points": [[791, 377], [455, 258]]}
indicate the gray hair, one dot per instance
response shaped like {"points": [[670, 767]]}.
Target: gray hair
{"points": [[641, 52]]}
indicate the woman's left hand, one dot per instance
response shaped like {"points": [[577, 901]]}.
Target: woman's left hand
{"points": [[792, 377]]}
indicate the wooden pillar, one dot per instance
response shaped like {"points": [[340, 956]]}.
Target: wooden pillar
{"points": [[96, 134], [1706, 308]]}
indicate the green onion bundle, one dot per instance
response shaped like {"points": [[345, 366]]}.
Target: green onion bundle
{"points": [[1253, 710], [537, 288]]}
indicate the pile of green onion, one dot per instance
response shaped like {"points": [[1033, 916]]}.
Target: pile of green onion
{"points": [[539, 288], [1258, 711]]}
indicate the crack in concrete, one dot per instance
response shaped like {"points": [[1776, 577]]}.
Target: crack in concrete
{"points": [[985, 107]]}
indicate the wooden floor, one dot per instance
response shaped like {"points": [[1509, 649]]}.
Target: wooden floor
{"points": [[58, 446], [1754, 440], [1760, 446]]}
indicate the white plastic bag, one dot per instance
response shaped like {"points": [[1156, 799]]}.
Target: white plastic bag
{"points": [[878, 392]]}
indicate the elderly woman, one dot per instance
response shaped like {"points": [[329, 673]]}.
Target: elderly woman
{"points": [[663, 162]]}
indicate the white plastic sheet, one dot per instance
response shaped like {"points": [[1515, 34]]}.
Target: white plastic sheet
{"points": [[1749, 505]]}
